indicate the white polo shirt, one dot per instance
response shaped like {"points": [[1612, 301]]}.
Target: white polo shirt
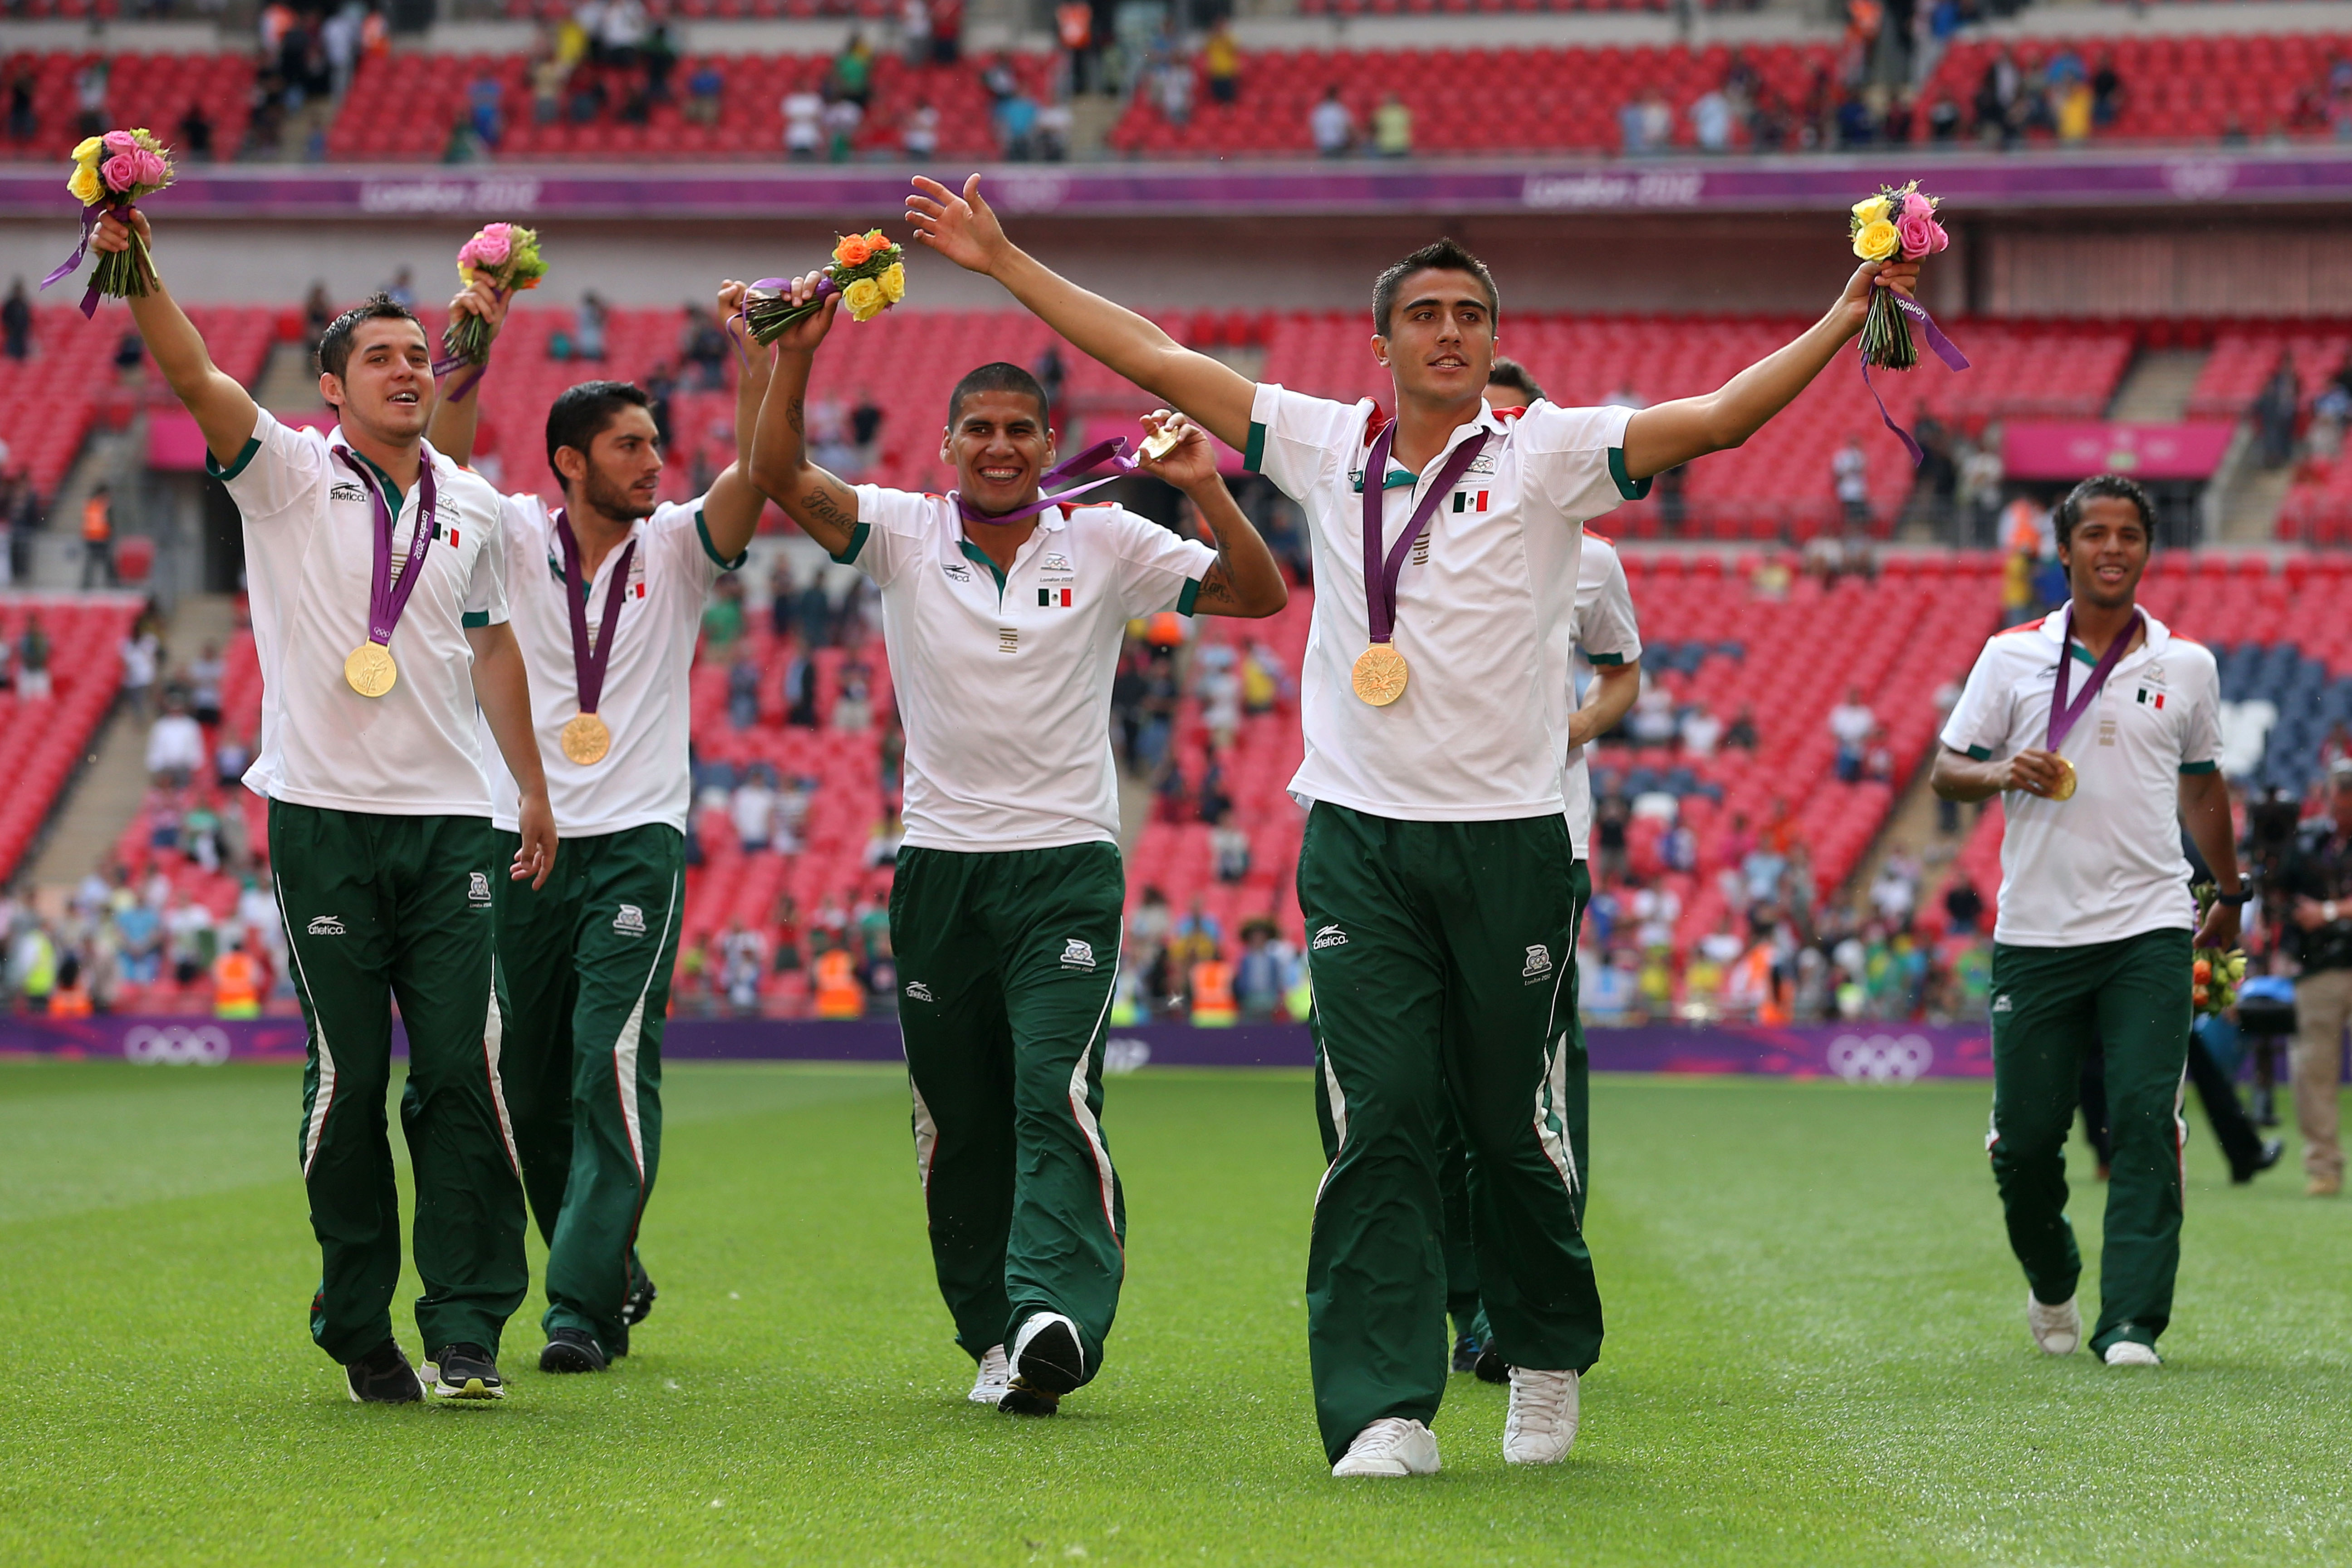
{"points": [[644, 779], [1484, 614], [1004, 682], [310, 558], [2106, 864], [1606, 631]]}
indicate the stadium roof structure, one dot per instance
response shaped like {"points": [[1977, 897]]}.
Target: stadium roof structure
{"points": [[2175, 180]]}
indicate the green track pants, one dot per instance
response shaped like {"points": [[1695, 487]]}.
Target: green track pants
{"points": [[1005, 966], [379, 908], [1442, 954], [2049, 1006], [584, 970], [1461, 1255]]}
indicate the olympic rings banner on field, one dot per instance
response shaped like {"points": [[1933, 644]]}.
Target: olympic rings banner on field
{"points": [[1861, 1053]]}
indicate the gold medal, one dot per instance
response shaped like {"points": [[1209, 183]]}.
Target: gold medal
{"points": [[369, 669], [1159, 444], [2064, 788], [586, 739], [1380, 674]]}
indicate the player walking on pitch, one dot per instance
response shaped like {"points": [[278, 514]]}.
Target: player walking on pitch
{"points": [[607, 592], [1004, 614], [380, 619], [1605, 631], [1436, 875], [2101, 730]]}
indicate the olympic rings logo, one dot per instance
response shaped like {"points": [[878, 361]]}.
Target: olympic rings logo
{"points": [[1880, 1059], [173, 1046]]}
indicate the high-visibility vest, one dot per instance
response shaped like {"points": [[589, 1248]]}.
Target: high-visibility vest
{"points": [[237, 985], [96, 526], [838, 995], [1212, 994], [69, 1002]]}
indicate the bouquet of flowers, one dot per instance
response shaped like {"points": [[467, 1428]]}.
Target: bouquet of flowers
{"points": [[110, 174], [869, 271], [507, 254], [1898, 223], [2213, 973]]}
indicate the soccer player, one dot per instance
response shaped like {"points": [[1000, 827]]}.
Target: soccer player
{"points": [[1004, 616], [607, 592], [380, 620], [1606, 631], [1436, 873], [2102, 732]]}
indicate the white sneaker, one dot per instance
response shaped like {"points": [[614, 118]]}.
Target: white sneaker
{"points": [[2057, 1330], [2131, 1353], [996, 1379], [1390, 1446], [1541, 1427]]}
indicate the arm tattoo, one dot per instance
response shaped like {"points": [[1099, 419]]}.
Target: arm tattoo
{"points": [[792, 414], [819, 504], [1216, 590]]}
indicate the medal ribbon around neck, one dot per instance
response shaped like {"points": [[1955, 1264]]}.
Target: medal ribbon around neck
{"points": [[1380, 670], [586, 738], [370, 669], [2065, 714], [1110, 454]]}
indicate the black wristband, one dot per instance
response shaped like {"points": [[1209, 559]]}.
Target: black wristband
{"points": [[2243, 895]]}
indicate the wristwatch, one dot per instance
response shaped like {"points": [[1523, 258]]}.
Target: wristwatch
{"points": [[2243, 895]]}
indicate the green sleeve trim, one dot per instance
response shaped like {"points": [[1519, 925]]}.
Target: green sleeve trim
{"points": [[1189, 597], [477, 618], [252, 448], [702, 531], [1253, 455], [1980, 754], [1603, 658], [1629, 488], [2199, 767], [848, 557]]}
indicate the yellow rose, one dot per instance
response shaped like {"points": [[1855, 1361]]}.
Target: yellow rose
{"points": [[85, 185], [865, 300], [1877, 241], [88, 152], [1870, 212], [894, 283]]}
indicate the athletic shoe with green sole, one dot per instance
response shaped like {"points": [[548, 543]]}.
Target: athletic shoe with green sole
{"points": [[465, 1372]]}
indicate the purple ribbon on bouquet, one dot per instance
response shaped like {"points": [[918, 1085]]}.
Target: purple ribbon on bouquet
{"points": [[1111, 453], [89, 216], [448, 362], [1952, 357], [825, 286]]}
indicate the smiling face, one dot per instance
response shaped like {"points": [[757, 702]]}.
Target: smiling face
{"points": [[620, 474], [1000, 445], [386, 388], [2107, 552], [1441, 337]]}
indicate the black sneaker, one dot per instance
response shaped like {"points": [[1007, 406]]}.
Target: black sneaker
{"points": [[1491, 1367], [1465, 1354], [466, 1372], [573, 1350], [1048, 1362], [382, 1376], [2273, 1151], [638, 1304]]}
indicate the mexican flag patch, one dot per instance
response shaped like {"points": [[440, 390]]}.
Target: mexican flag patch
{"points": [[1048, 598], [1469, 500], [2152, 698]]}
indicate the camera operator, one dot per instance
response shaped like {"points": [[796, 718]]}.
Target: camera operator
{"points": [[2316, 881]]}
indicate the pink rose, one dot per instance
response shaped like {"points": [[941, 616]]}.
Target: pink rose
{"points": [[490, 247], [120, 172], [1916, 205], [1919, 235], [120, 141]]}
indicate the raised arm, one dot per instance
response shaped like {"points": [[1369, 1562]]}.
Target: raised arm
{"points": [[1243, 580], [964, 229], [1670, 434], [457, 408], [225, 411], [731, 511], [825, 509]]}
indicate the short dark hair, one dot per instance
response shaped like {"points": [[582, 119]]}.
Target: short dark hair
{"points": [[335, 343], [2112, 486], [1512, 373], [998, 376], [581, 414], [1443, 255]]}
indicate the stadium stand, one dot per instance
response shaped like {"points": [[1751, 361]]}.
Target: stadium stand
{"points": [[43, 737], [2178, 85], [154, 91]]}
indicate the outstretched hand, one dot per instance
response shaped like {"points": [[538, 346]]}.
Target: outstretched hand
{"points": [[963, 228], [114, 230], [1854, 305]]}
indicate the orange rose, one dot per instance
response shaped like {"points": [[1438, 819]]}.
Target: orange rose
{"points": [[874, 241], [853, 250]]}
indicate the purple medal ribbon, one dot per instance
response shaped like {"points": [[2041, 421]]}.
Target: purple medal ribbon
{"points": [[89, 216], [1111, 453], [2063, 713], [589, 661], [387, 599], [825, 286], [1381, 575], [1952, 357]]}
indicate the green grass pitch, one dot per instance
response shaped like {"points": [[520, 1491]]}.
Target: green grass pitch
{"points": [[1816, 1355]]}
